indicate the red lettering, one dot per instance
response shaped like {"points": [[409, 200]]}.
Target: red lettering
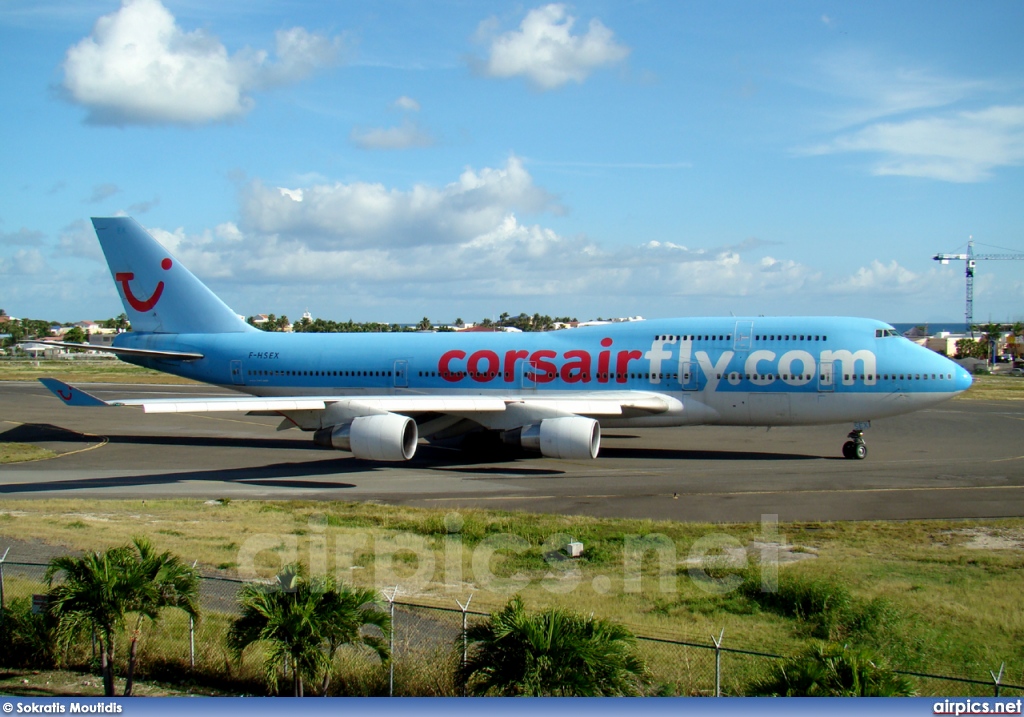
{"points": [[444, 368], [576, 371], [622, 363], [603, 359], [474, 365], [511, 359], [543, 371]]}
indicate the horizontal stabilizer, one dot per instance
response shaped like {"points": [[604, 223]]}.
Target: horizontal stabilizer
{"points": [[70, 395], [143, 353]]}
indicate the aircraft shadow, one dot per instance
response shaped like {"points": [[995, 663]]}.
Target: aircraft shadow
{"points": [[518, 470], [278, 475], [43, 433], [682, 454], [48, 433]]}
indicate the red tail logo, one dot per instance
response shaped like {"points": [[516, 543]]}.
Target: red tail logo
{"points": [[66, 398], [141, 305]]}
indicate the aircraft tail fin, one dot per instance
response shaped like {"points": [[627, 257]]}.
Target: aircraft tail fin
{"points": [[159, 294]]}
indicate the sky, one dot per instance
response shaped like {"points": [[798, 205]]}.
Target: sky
{"points": [[386, 161]]}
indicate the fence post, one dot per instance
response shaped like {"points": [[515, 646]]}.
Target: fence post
{"points": [[465, 641], [997, 678], [391, 640], [192, 633], [718, 662], [2, 603]]}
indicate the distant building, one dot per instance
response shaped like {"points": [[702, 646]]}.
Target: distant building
{"points": [[104, 339], [602, 322]]}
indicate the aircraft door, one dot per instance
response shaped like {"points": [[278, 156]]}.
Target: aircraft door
{"points": [[527, 379], [237, 377], [688, 376], [401, 374], [743, 336], [826, 380]]}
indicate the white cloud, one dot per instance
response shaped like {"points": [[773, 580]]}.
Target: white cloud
{"points": [[405, 136], [544, 49], [916, 122], [361, 212], [892, 279], [407, 104], [22, 237], [101, 192], [869, 88], [461, 247], [139, 66], [962, 147], [78, 240], [25, 262]]}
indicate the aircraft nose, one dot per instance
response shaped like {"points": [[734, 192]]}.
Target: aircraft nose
{"points": [[962, 379]]}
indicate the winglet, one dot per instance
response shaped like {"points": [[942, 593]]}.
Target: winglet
{"points": [[70, 395]]}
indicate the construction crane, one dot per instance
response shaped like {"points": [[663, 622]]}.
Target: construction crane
{"points": [[971, 258]]}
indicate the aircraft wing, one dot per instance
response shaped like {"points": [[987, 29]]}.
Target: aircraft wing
{"points": [[587, 404]]}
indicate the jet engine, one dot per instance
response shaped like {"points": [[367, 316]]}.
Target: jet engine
{"points": [[384, 437], [570, 437]]}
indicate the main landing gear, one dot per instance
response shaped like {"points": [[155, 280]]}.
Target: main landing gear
{"points": [[855, 448]]}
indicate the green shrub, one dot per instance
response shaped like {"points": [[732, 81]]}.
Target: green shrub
{"points": [[26, 638], [832, 670], [823, 604]]}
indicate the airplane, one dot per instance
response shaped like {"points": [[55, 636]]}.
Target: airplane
{"points": [[377, 395]]}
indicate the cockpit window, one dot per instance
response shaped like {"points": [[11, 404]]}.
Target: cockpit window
{"points": [[883, 333]]}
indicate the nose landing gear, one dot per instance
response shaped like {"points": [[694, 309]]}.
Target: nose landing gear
{"points": [[855, 448]]}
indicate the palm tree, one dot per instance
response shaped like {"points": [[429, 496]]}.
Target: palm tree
{"points": [[832, 670], [99, 590], [166, 582], [551, 653], [303, 622]]}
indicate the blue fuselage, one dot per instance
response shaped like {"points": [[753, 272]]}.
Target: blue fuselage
{"points": [[739, 368]]}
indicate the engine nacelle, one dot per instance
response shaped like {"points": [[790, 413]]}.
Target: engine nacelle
{"points": [[570, 438], [384, 437]]}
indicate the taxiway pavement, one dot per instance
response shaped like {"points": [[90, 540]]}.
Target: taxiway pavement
{"points": [[962, 459]]}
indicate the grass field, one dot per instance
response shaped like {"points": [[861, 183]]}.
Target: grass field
{"points": [[23, 452], [994, 388], [936, 596], [84, 371]]}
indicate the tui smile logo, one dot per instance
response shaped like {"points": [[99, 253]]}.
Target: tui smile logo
{"points": [[142, 305]]}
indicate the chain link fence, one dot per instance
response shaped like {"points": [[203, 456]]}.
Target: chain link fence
{"points": [[427, 648]]}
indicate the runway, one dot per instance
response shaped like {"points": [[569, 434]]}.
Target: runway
{"points": [[963, 459]]}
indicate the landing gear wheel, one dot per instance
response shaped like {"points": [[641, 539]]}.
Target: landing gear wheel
{"points": [[855, 448]]}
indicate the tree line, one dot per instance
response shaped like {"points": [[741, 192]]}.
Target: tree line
{"points": [[523, 322], [20, 330]]}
